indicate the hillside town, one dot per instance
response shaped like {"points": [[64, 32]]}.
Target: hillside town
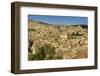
{"points": [[49, 42]]}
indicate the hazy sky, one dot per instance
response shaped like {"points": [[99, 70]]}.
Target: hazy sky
{"points": [[59, 19]]}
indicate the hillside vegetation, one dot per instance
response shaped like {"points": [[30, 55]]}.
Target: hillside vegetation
{"points": [[48, 41]]}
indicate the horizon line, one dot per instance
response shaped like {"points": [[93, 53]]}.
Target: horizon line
{"points": [[53, 23]]}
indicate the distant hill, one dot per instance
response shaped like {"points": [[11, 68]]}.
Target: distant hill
{"points": [[44, 23]]}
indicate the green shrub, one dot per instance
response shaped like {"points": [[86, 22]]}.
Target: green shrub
{"points": [[49, 51], [45, 52], [29, 30]]}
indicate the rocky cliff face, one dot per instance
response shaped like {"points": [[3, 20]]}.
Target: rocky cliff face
{"points": [[48, 41]]}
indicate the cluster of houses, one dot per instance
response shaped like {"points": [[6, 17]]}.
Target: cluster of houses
{"points": [[66, 41]]}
